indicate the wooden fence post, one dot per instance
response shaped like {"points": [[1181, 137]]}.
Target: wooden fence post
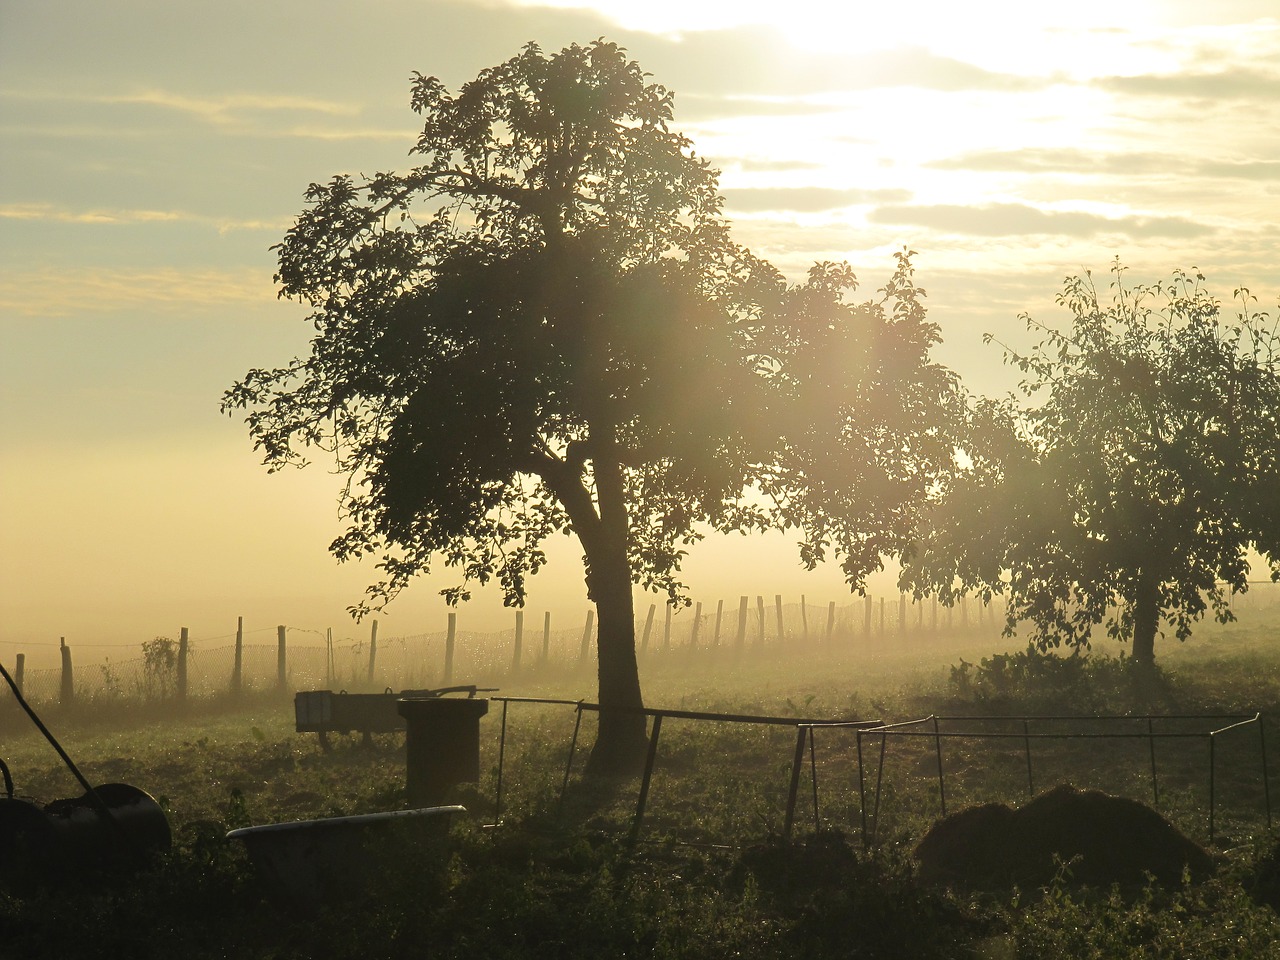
{"points": [[759, 620], [183, 646], [280, 656], [373, 649], [586, 636], [237, 675], [648, 626], [666, 629], [867, 604], [880, 632], [964, 612], [519, 642], [933, 614], [777, 603], [715, 640], [546, 636], [950, 616], [449, 639], [902, 613], [19, 671], [67, 689], [697, 621], [804, 618], [742, 622], [831, 620]]}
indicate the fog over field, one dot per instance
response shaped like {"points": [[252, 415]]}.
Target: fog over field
{"points": [[153, 152]]}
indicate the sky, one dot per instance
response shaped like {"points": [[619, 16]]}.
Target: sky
{"points": [[152, 151]]}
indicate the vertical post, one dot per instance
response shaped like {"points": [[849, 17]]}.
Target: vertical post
{"points": [[648, 628], [67, 690], [831, 620], [715, 640], [760, 619], [647, 777], [964, 612], [19, 671], [742, 622], [1212, 795], [933, 615], [237, 674], [951, 609], [697, 622], [586, 636], [666, 629], [793, 791], [373, 649], [280, 656], [1151, 748], [902, 613], [1026, 745], [183, 640], [449, 640], [866, 615], [328, 658], [515, 652], [804, 618], [777, 605], [880, 630], [546, 636]]}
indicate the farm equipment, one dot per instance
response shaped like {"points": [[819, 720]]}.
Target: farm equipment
{"points": [[109, 827], [324, 712]]}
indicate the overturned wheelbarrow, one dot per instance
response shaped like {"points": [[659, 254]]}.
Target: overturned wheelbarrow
{"points": [[110, 827]]}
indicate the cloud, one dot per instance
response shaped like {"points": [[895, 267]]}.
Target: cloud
{"points": [[1016, 219], [1073, 161], [77, 291], [1221, 85], [806, 199], [48, 213], [695, 107]]}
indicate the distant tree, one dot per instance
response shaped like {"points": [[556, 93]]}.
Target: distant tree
{"points": [[544, 328], [1130, 486]]}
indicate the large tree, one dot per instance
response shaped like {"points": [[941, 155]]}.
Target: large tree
{"points": [[543, 326], [1129, 484]]}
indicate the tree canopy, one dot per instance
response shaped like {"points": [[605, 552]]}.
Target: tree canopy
{"points": [[1130, 483], [545, 327]]}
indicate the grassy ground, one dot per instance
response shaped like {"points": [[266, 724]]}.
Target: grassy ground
{"points": [[711, 875]]}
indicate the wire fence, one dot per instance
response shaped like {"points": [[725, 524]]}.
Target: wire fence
{"points": [[309, 659]]}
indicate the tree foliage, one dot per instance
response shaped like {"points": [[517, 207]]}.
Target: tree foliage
{"points": [[1129, 484], [545, 327]]}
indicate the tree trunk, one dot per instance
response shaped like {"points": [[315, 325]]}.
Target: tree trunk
{"points": [[621, 741], [1146, 619]]}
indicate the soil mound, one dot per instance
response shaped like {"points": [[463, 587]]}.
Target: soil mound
{"points": [[1104, 839]]}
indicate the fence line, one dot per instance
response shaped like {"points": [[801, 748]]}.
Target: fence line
{"points": [[177, 670]]}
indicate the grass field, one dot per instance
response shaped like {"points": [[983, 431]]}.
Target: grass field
{"points": [[711, 875]]}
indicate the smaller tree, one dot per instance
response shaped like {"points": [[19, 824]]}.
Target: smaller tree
{"points": [[1130, 486]]}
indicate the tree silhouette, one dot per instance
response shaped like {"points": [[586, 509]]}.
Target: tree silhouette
{"points": [[544, 327], [1130, 487]]}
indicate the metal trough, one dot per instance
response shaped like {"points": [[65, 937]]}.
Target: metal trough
{"points": [[308, 862]]}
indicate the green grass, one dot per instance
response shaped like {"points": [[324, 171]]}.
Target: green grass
{"points": [[711, 877]]}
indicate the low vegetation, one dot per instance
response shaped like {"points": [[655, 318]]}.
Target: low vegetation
{"points": [[711, 874]]}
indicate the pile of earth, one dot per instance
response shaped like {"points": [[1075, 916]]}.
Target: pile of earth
{"points": [[1102, 839]]}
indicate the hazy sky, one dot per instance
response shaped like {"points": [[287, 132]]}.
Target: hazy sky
{"points": [[151, 153]]}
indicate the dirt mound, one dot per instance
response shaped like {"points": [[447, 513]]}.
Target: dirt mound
{"points": [[1105, 840]]}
